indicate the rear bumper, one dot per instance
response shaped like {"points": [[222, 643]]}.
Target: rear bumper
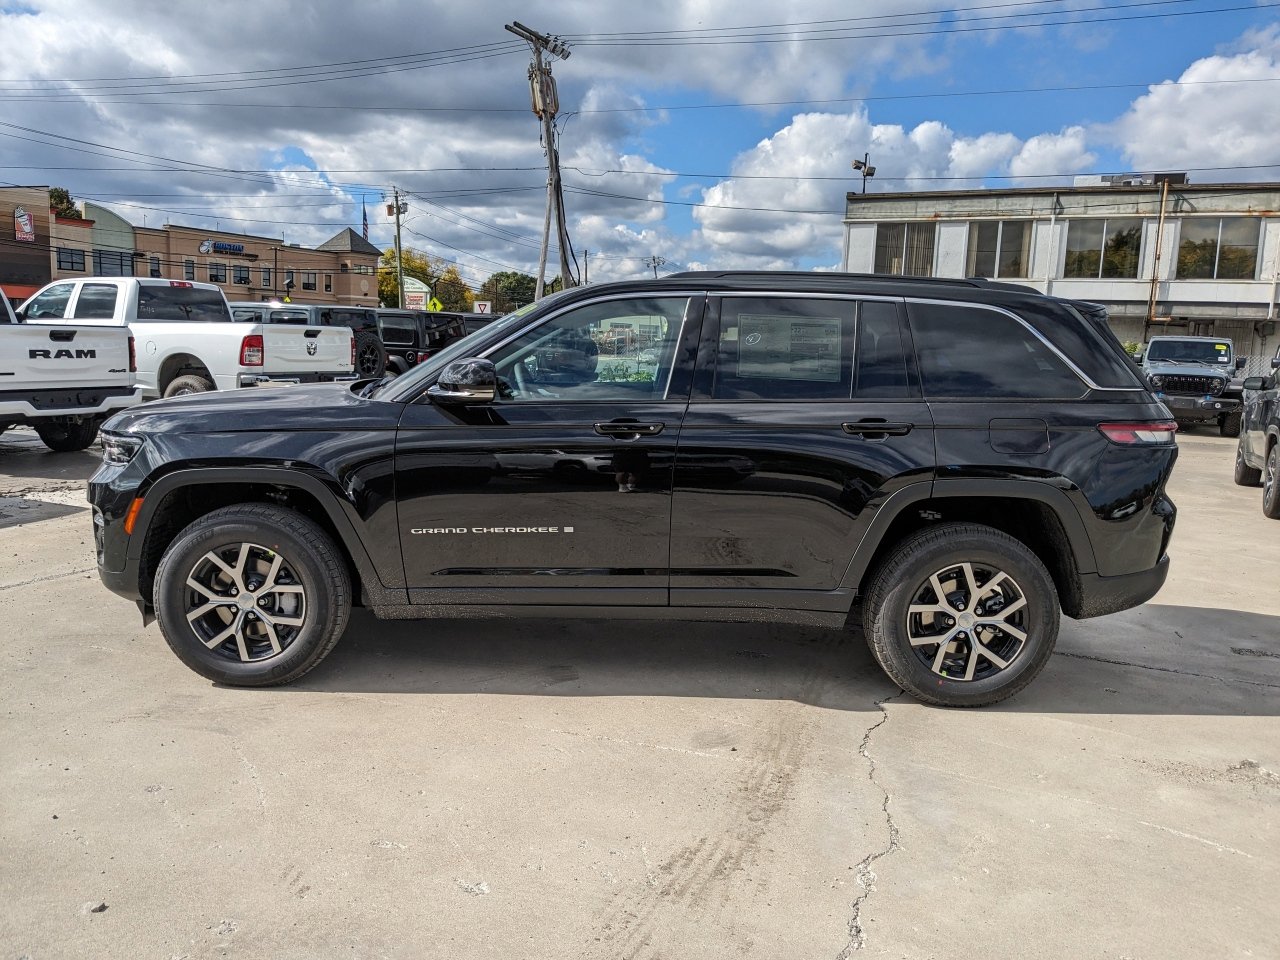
{"points": [[283, 379], [37, 406], [1102, 595], [1199, 408]]}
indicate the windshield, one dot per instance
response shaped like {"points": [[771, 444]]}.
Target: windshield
{"points": [[1190, 351], [404, 386]]}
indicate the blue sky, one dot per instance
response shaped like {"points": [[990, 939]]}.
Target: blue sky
{"points": [[306, 150]]}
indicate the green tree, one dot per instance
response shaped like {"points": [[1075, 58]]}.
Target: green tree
{"points": [[508, 290], [417, 263], [452, 291], [60, 203]]}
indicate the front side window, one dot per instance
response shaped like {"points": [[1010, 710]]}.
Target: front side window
{"points": [[1000, 248], [1219, 249], [217, 273], [973, 352], [1103, 248], [69, 259], [51, 302], [905, 249], [615, 350], [97, 301]]}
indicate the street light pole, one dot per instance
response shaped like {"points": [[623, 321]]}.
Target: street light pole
{"points": [[867, 170]]}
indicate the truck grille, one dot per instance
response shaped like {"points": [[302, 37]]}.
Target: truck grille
{"points": [[1194, 386]]}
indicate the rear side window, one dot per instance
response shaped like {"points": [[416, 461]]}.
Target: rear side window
{"points": [[401, 331], [785, 348], [97, 301], [967, 351], [182, 303]]}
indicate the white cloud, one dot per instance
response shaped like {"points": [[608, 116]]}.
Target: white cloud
{"points": [[1051, 153]]}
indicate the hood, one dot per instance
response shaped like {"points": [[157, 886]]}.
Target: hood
{"points": [[319, 406], [1162, 367]]}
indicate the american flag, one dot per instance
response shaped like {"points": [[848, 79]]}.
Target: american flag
{"points": [[365, 214]]}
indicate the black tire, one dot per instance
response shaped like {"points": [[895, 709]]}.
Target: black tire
{"points": [[65, 435], [371, 356], [1245, 475], [1184, 426], [905, 575], [188, 384], [1229, 424], [310, 569], [1271, 483]]}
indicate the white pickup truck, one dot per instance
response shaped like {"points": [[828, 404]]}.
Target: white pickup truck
{"points": [[63, 380], [186, 339]]}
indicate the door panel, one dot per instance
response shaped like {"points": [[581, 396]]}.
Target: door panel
{"points": [[561, 492], [773, 493]]}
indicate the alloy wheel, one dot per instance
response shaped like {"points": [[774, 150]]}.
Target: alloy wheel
{"points": [[367, 360], [245, 602], [1273, 467], [968, 621]]}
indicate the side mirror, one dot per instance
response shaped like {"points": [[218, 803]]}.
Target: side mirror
{"points": [[1275, 361], [465, 382], [1240, 362], [1255, 383]]}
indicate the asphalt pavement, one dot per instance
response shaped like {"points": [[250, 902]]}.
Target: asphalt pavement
{"points": [[620, 789]]}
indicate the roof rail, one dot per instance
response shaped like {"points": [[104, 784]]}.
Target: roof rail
{"points": [[821, 275]]}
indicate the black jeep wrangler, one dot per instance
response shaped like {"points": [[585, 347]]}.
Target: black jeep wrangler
{"points": [[411, 336], [945, 463]]}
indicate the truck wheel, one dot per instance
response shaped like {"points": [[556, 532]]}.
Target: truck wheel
{"points": [[252, 595], [371, 358], [1271, 484], [66, 435], [187, 384], [961, 615], [1229, 424], [1245, 475]]}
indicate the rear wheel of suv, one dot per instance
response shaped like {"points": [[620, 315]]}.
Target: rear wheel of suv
{"points": [[1271, 484], [252, 595], [1229, 424], [65, 435], [187, 384], [371, 357], [1245, 475], [962, 615]]}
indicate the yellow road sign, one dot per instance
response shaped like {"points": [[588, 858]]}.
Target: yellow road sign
{"points": [[434, 305]]}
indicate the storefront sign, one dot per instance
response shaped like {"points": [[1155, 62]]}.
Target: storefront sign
{"points": [[24, 225], [219, 246]]}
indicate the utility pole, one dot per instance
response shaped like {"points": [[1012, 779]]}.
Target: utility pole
{"points": [[546, 103], [867, 169], [586, 268], [397, 209], [655, 261]]}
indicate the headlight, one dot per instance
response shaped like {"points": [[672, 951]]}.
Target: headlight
{"points": [[118, 448], [1156, 381]]}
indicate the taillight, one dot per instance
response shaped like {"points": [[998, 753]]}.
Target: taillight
{"points": [[423, 355], [133, 357], [251, 350], [1140, 434], [353, 352]]}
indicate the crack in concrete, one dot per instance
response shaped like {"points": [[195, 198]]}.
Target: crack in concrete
{"points": [[866, 876], [52, 576], [1181, 673]]}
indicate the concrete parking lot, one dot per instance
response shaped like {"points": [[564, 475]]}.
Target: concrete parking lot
{"points": [[620, 789]]}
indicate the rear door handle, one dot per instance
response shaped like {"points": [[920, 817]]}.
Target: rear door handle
{"points": [[876, 429], [632, 429]]}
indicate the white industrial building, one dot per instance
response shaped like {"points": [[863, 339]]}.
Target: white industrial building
{"points": [[1162, 255]]}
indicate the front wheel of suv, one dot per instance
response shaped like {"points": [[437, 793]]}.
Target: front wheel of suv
{"points": [[252, 595], [1271, 484], [1245, 475], [961, 615]]}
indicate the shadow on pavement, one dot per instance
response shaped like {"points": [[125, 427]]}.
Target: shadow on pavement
{"points": [[1155, 660], [27, 464]]}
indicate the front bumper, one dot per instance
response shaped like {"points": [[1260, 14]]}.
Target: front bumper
{"points": [[1198, 408]]}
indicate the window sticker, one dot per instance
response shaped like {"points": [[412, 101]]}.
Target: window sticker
{"points": [[1222, 349], [789, 348]]}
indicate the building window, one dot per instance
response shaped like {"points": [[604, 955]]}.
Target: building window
{"points": [[112, 263], [240, 275], [1000, 248], [1219, 249], [362, 269], [344, 267], [288, 279], [328, 283], [1103, 248], [69, 259], [308, 281], [266, 277], [154, 264], [188, 269], [217, 273], [905, 249]]}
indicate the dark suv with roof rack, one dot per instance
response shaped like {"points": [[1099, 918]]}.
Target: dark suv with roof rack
{"points": [[411, 336], [947, 464]]}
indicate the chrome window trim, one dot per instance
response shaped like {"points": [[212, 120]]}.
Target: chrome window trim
{"points": [[1084, 377]]}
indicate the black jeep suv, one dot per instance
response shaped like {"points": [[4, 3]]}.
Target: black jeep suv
{"points": [[946, 462], [1258, 450]]}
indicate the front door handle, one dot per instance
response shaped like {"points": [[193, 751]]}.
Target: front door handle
{"points": [[629, 429], [871, 429]]}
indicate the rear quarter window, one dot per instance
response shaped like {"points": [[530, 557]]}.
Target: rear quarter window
{"points": [[966, 351], [157, 303]]}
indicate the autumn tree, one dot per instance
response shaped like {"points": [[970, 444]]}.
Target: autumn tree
{"points": [[62, 205], [452, 291], [508, 290], [417, 264]]}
